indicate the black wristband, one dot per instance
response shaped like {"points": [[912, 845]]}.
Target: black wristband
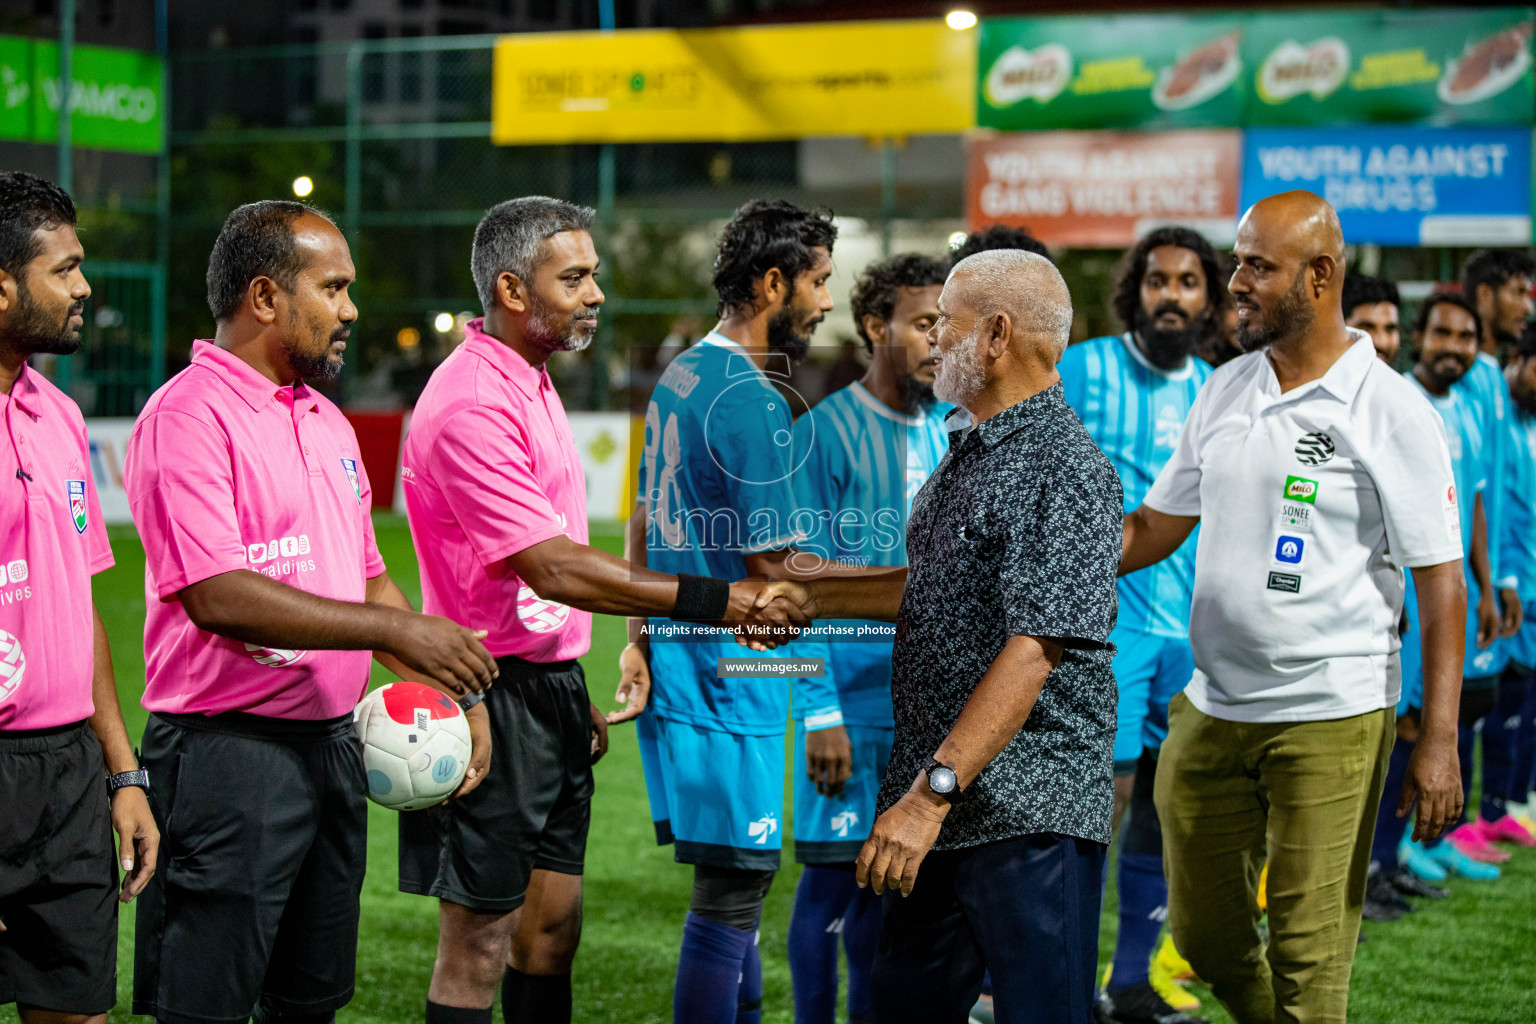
{"points": [[137, 777], [471, 700], [701, 598]]}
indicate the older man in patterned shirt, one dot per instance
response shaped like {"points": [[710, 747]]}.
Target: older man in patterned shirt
{"points": [[1000, 781]]}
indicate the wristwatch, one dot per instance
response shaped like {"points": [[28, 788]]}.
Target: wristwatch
{"points": [[941, 779], [138, 777], [471, 700]]}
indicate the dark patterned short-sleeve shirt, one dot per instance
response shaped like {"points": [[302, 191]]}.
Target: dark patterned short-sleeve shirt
{"points": [[1017, 533]]}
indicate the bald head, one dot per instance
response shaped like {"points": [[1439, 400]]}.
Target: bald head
{"points": [[1004, 319], [1299, 220], [1024, 287], [1290, 274]]}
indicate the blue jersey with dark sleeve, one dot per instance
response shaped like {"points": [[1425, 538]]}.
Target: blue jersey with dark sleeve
{"points": [[1134, 412], [864, 464], [715, 471]]}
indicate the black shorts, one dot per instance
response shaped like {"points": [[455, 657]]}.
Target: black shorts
{"points": [[264, 840], [531, 811], [58, 873]]}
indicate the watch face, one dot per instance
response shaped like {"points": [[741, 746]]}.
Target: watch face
{"points": [[941, 780]]}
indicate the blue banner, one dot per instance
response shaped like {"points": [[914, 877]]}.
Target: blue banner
{"points": [[1402, 186]]}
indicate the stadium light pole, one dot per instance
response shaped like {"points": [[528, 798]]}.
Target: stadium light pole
{"points": [[597, 390], [162, 194], [66, 80], [353, 203]]}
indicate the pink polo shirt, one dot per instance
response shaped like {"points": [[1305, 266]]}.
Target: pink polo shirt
{"points": [[226, 470], [490, 468], [52, 542]]}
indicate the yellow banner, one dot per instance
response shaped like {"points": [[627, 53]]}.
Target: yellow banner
{"points": [[868, 78]]}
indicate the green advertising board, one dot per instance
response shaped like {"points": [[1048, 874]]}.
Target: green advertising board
{"points": [[1439, 66], [1110, 72], [115, 101], [1467, 66]]}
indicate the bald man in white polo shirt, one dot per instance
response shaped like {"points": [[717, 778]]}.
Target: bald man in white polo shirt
{"points": [[1317, 474]]}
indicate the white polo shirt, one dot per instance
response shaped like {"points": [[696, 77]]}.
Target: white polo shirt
{"points": [[1311, 503]]}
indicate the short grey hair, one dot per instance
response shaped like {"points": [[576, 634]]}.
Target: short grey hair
{"points": [[511, 236], [1026, 286]]}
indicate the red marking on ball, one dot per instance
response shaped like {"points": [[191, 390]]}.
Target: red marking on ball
{"points": [[402, 699]]}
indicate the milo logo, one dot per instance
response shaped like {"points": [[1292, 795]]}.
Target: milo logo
{"points": [[1019, 74], [1301, 489]]}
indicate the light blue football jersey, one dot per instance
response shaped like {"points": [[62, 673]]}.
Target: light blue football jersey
{"points": [[1518, 550], [1134, 412], [1463, 421], [864, 464], [1485, 386], [716, 471]]}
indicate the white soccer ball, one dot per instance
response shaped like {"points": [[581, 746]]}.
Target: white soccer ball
{"points": [[415, 745]]}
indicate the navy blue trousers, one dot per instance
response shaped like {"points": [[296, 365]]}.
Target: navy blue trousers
{"points": [[1025, 909]]}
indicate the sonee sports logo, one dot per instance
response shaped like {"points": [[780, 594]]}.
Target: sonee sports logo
{"points": [[1314, 449], [842, 821], [759, 830], [1299, 488]]}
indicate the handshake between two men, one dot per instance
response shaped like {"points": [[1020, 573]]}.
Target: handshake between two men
{"points": [[764, 614]]}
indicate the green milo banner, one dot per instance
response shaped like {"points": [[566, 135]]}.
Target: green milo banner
{"points": [[1433, 66], [1110, 72], [115, 101], [1468, 66]]}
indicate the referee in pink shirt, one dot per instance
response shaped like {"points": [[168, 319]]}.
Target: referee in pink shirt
{"points": [[61, 731], [498, 509], [265, 595]]}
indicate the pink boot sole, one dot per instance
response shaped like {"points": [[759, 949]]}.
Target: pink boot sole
{"points": [[1505, 830], [1469, 840]]}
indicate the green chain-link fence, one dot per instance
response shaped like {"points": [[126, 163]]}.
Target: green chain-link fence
{"points": [[395, 134]]}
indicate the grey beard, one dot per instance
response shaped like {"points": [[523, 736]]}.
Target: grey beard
{"points": [[961, 377]]}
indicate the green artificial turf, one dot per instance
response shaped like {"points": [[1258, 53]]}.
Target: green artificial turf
{"points": [[1466, 961]]}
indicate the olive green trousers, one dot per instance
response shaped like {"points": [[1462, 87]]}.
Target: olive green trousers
{"points": [[1299, 796]]}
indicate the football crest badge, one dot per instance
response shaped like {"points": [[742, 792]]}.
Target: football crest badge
{"points": [[350, 465], [76, 492]]}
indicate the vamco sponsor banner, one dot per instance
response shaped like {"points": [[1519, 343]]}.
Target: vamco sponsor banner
{"points": [[1402, 186], [115, 100], [1105, 188]]}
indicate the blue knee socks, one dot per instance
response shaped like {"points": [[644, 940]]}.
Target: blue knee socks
{"points": [[1501, 730], [822, 898], [1143, 906], [709, 972], [749, 994], [861, 936], [1389, 827]]}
